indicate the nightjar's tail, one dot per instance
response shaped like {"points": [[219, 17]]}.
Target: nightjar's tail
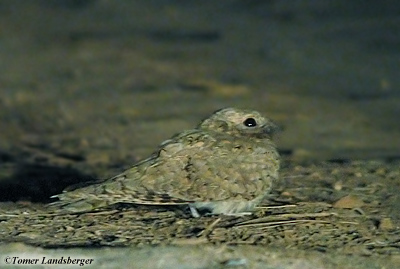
{"points": [[71, 202]]}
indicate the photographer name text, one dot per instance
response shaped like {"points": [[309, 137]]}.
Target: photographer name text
{"points": [[15, 260]]}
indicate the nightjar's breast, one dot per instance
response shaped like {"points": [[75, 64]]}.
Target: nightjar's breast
{"points": [[234, 169]]}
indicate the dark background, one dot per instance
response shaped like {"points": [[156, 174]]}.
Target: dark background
{"points": [[89, 87]]}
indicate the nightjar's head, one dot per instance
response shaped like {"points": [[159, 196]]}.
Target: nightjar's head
{"points": [[238, 122]]}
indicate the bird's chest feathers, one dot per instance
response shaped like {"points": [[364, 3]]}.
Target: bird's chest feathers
{"points": [[244, 149]]}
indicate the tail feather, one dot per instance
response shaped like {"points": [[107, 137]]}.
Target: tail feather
{"points": [[74, 204]]}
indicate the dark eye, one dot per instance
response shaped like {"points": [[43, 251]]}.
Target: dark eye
{"points": [[250, 122]]}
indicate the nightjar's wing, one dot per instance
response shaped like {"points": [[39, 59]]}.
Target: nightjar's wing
{"points": [[147, 182]]}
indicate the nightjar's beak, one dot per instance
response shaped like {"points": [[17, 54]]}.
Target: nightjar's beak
{"points": [[271, 128]]}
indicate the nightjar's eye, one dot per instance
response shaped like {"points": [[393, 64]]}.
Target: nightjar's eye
{"points": [[250, 122]]}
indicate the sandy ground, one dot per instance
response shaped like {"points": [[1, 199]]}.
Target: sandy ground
{"points": [[89, 87]]}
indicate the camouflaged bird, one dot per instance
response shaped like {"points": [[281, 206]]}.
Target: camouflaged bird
{"points": [[226, 165]]}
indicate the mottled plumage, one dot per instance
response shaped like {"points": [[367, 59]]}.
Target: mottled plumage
{"points": [[226, 166]]}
